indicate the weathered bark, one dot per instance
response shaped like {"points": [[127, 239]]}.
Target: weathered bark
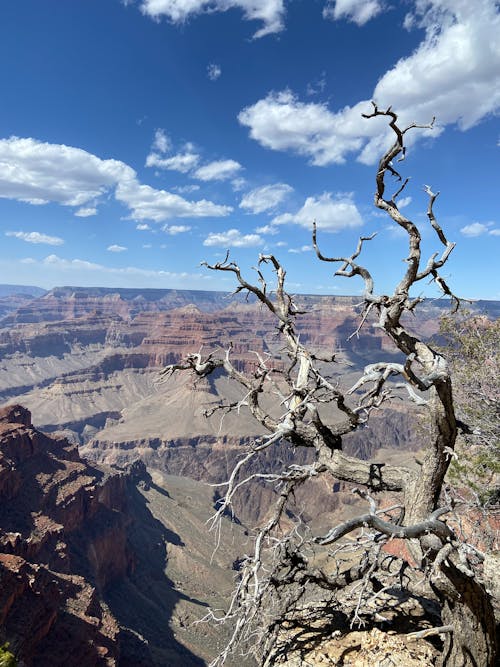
{"points": [[262, 602], [467, 608]]}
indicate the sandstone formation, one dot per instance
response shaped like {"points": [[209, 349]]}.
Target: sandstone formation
{"points": [[78, 358], [62, 527], [13, 297], [86, 362], [114, 565], [82, 558]]}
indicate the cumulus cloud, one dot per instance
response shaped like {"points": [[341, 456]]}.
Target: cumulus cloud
{"points": [[86, 212], [37, 173], [175, 229], [185, 189], [36, 237], [147, 203], [358, 11], [233, 238], [270, 12], [453, 74], [267, 229], [182, 162], [219, 170], [116, 248], [331, 213], [143, 227], [213, 71], [297, 251], [238, 184], [281, 122], [478, 229], [265, 198], [161, 141], [404, 201], [186, 161]]}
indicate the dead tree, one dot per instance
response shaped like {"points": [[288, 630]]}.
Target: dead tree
{"points": [[276, 596]]}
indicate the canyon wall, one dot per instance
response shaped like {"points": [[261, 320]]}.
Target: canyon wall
{"points": [[102, 558], [83, 559]]}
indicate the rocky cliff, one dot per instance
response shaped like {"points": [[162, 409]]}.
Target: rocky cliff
{"points": [[90, 558], [63, 540], [13, 297], [80, 357]]}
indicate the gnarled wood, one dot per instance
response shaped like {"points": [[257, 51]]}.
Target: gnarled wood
{"points": [[275, 577]]}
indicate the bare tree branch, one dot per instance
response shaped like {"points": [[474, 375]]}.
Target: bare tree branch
{"points": [[273, 592]]}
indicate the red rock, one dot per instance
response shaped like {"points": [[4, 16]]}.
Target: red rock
{"points": [[58, 515]]}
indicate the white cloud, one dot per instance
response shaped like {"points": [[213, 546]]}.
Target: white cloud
{"points": [[238, 184], [147, 203], [161, 142], [213, 71], [479, 228], [281, 122], [219, 170], [474, 229], [233, 238], [453, 74], [182, 162], [270, 12], [331, 214], [358, 11], [176, 229], [265, 198], [36, 237], [404, 201], [86, 212], [186, 189], [304, 248], [116, 248], [85, 272], [143, 227], [318, 86], [37, 173], [267, 229]]}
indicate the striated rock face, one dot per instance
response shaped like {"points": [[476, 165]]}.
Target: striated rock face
{"points": [[80, 357], [13, 297], [90, 558], [63, 540]]}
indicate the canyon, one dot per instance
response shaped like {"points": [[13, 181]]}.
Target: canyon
{"points": [[104, 548], [91, 560]]}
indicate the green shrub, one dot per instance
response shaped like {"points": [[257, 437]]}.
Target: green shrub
{"points": [[473, 351], [7, 659]]}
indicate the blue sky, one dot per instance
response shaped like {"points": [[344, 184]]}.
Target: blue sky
{"points": [[139, 138]]}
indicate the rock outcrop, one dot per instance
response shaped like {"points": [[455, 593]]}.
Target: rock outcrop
{"points": [[78, 356], [63, 540], [90, 558]]}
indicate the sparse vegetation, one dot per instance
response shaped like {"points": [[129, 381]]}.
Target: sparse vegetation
{"points": [[7, 659], [473, 352]]}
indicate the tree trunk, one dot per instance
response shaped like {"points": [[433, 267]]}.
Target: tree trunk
{"points": [[467, 608]]}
